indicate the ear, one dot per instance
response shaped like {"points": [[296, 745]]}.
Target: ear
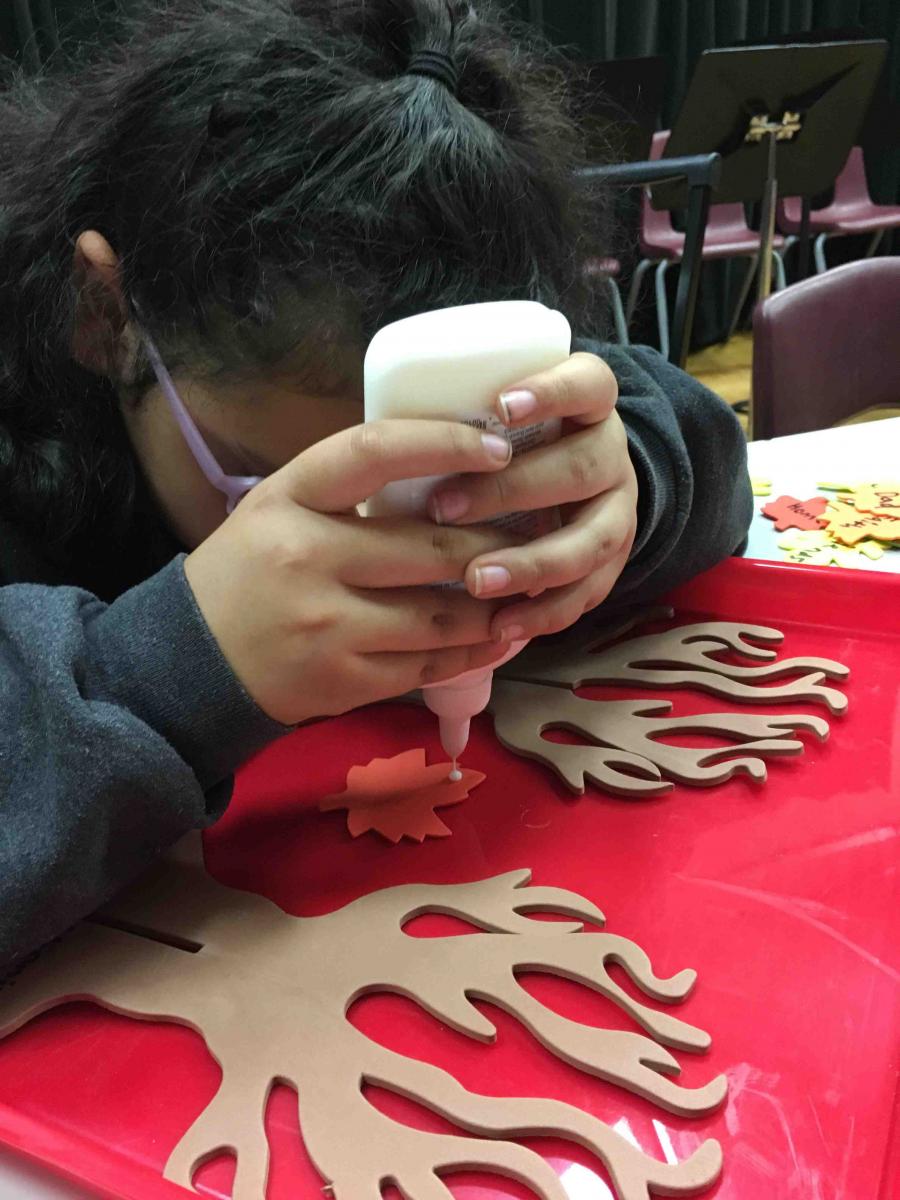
{"points": [[102, 341]]}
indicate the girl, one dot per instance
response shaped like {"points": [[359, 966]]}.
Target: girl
{"points": [[199, 234]]}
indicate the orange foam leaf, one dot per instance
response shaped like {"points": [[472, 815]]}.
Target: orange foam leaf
{"points": [[857, 526], [397, 797]]}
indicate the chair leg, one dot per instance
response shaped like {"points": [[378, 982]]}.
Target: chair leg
{"points": [[634, 291], [780, 274], [618, 311], [662, 308], [876, 241], [821, 261], [742, 299]]}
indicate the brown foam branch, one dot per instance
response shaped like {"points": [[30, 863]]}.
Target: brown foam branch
{"points": [[628, 1059], [485, 963], [761, 735], [626, 731], [496, 904], [684, 657], [539, 659], [634, 1174], [233, 1122], [58, 976], [452, 1154], [518, 725]]}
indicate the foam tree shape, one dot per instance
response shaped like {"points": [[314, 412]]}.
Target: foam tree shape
{"points": [[397, 797], [682, 657], [790, 513], [270, 995], [624, 754]]}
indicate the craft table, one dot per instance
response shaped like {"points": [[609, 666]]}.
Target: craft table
{"points": [[855, 453], [20, 1181], [784, 898]]}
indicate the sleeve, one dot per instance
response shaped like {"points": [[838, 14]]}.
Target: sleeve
{"points": [[690, 455], [119, 727]]}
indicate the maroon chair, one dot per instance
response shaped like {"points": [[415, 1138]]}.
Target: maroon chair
{"points": [[851, 211], [827, 348], [606, 272], [727, 236]]}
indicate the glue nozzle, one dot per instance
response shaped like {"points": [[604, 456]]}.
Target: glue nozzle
{"points": [[454, 704], [454, 737], [456, 773]]}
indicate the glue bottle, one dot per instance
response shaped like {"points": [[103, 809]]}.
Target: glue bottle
{"points": [[451, 365]]}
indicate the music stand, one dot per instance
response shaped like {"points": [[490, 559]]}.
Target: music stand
{"points": [[783, 118], [880, 132]]}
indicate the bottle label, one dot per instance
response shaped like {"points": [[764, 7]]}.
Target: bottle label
{"points": [[528, 525]]}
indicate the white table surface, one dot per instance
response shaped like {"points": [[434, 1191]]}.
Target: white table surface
{"points": [[867, 453], [19, 1180], [795, 465]]}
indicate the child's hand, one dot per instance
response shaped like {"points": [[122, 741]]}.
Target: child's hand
{"points": [[589, 473], [318, 610]]}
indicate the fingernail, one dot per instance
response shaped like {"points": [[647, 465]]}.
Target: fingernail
{"points": [[448, 506], [511, 633], [491, 579], [517, 405], [497, 447]]}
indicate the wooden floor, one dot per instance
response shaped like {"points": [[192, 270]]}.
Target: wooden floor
{"points": [[727, 370]]}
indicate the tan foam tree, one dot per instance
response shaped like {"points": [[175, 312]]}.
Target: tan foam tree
{"points": [[624, 750], [270, 995]]}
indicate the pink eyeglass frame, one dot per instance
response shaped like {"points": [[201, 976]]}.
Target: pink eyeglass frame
{"points": [[233, 487]]}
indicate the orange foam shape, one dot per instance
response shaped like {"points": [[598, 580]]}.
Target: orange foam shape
{"points": [[397, 797], [855, 528], [790, 513], [880, 498]]}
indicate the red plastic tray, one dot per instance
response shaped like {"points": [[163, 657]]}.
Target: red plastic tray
{"points": [[784, 898]]}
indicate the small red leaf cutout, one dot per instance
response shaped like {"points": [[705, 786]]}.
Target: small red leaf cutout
{"points": [[397, 797], [790, 513]]}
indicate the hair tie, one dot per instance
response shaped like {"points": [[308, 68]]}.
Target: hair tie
{"points": [[435, 64]]}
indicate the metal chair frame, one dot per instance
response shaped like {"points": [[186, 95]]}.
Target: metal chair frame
{"points": [[702, 173], [662, 301], [819, 247]]}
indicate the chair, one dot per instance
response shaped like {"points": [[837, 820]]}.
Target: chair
{"points": [[606, 272], [827, 348], [851, 211], [727, 236], [701, 173]]}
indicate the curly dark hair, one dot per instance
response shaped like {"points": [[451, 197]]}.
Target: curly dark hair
{"points": [[270, 178]]}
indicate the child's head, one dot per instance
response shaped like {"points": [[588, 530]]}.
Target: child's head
{"points": [[267, 183]]}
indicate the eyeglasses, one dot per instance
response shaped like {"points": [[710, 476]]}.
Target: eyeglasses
{"points": [[233, 487]]}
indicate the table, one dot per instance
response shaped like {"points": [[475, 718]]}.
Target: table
{"points": [[794, 464], [19, 1180], [855, 453]]}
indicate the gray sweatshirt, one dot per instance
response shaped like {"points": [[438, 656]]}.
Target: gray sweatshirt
{"points": [[121, 723]]}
